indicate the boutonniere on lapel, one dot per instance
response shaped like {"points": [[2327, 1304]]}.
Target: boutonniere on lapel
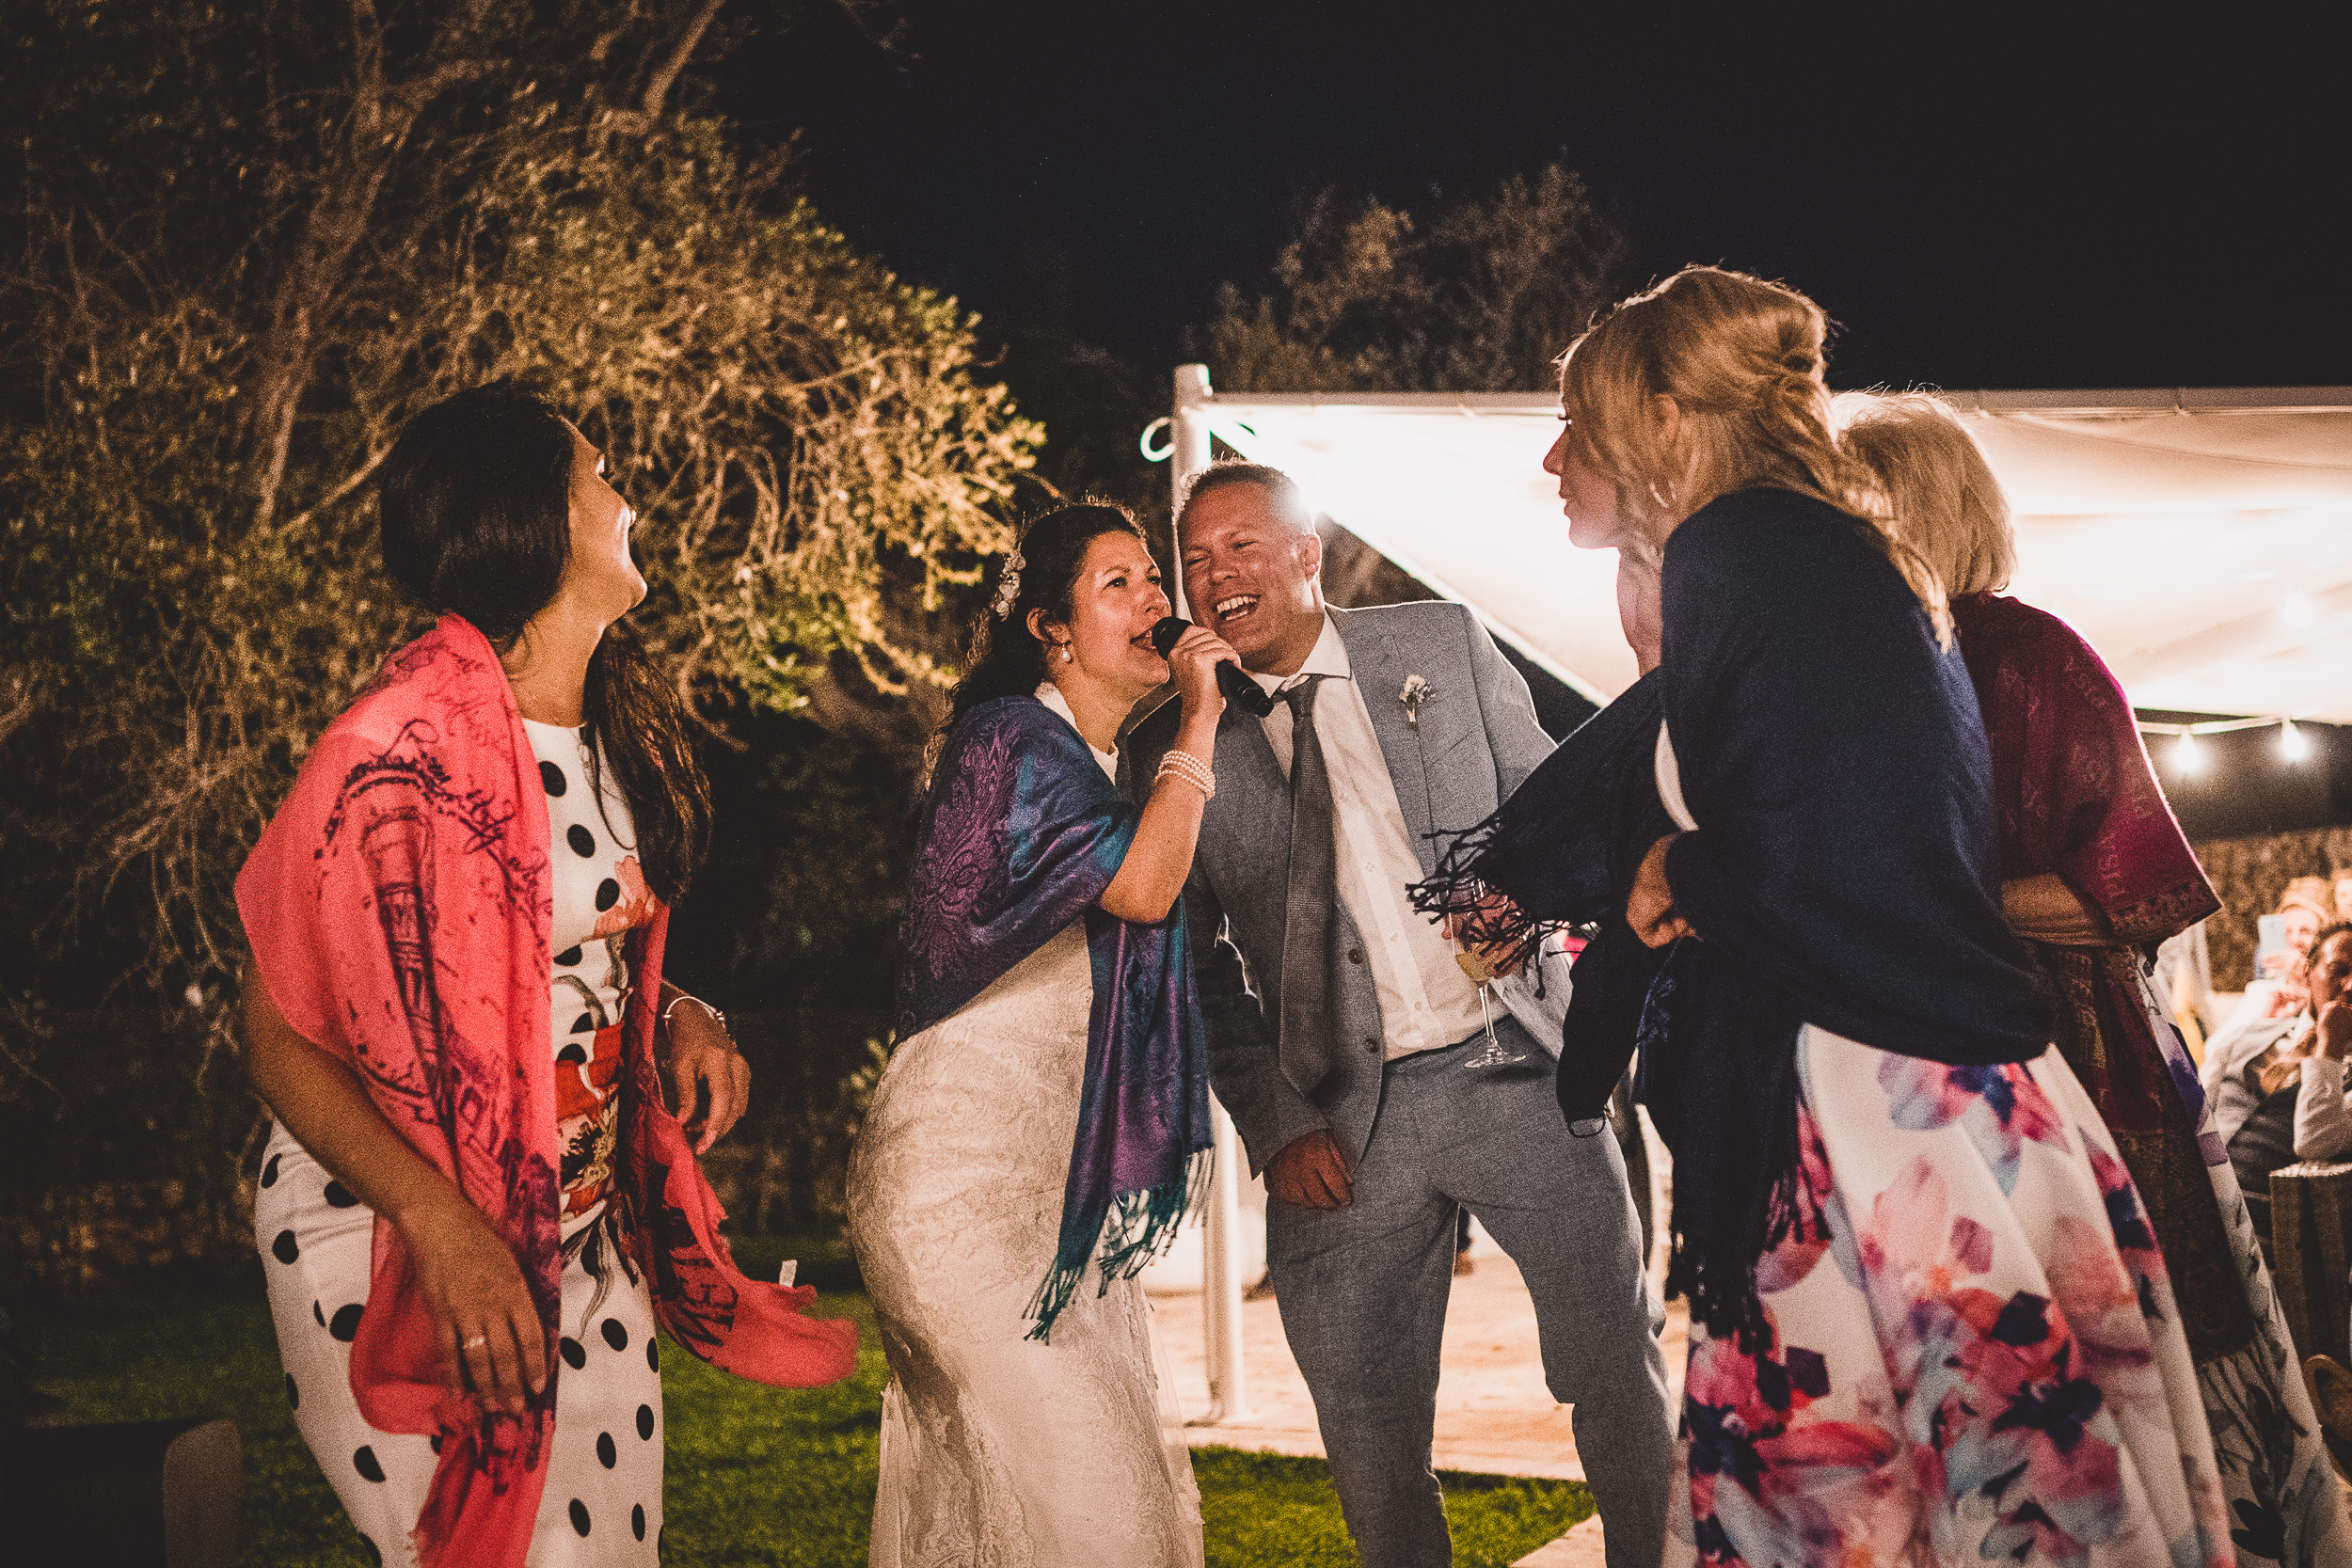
{"points": [[1415, 692]]}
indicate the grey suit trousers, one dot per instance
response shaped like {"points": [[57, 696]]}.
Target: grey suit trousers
{"points": [[1363, 1291]]}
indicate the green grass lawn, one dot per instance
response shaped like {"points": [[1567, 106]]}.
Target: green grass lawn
{"points": [[756, 1475]]}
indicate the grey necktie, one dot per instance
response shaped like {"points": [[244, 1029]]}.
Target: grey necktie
{"points": [[1305, 1042]]}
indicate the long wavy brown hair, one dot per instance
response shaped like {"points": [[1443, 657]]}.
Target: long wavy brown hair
{"points": [[476, 510]]}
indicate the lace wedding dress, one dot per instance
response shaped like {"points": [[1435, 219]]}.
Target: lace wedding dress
{"points": [[998, 1452]]}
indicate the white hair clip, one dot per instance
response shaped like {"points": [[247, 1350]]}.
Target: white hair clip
{"points": [[1009, 584]]}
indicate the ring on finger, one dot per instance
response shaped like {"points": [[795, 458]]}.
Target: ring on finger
{"points": [[475, 1341]]}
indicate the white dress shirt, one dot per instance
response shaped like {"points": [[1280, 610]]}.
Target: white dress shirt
{"points": [[1426, 999]]}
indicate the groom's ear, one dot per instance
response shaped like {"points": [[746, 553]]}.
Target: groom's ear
{"points": [[1308, 543]]}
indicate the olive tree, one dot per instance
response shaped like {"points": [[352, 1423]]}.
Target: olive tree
{"points": [[247, 243]]}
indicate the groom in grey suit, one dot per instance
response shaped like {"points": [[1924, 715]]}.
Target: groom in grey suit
{"points": [[1351, 1049]]}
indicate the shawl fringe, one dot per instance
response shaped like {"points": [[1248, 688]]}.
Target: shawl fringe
{"points": [[1138, 1227]]}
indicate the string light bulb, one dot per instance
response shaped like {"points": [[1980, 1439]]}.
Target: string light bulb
{"points": [[2293, 744], [2187, 760]]}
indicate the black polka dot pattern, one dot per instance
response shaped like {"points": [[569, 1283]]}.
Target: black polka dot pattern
{"points": [[346, 1323], [339, 1196], [615, 1334], [653, 1354], [584, 1024], [567, 958], [579, 1517], [319, 1315], [553, 778], [434, 1441], [375, 1555], [607, 1455], [285, 1248], [575, 1354], [269, 1172], [572, 1054], [583, 843], [645, 1422], [637, 1521], [364, 1461], [608, 895], [294, 1394]]}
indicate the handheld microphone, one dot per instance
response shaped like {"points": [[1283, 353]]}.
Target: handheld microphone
{"points": [[1240, 690]]}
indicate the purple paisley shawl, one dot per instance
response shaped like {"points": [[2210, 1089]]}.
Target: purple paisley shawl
{"points": [[1021, 836]]}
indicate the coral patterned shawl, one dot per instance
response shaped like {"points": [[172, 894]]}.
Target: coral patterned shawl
{"points": [[398, 905]]}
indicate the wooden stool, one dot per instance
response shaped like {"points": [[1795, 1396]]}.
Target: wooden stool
{"points": [[2310, 1231], [141, 1495]]}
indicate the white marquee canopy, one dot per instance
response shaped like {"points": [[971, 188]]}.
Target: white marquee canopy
{"points": [[2201, 540]]}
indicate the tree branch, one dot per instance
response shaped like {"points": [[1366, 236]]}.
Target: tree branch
{"points": [[665, 74]]}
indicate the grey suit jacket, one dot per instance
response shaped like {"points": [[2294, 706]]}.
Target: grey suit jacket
{"points": [[1477, 741]]}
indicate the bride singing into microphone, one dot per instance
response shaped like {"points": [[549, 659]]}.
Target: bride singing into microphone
{"points": [[1047, 1105]]}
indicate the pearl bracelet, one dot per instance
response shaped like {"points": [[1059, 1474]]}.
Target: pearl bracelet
{"points": [[1191, 770]]}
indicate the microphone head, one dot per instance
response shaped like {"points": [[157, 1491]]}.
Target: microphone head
{"points": [[1165, 634]]}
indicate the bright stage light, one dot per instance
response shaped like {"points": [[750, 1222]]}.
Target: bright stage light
{"points": [[2293, 744], [2187, 760]]}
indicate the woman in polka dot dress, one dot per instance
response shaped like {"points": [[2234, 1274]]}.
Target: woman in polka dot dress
{"points": [[458, 1222]]}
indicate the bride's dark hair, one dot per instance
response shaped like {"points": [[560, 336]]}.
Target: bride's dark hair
{"points": [[476, 516], [1004, 657]]}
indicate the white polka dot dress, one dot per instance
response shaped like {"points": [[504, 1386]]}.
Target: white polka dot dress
{"points": [[602, 1504]]}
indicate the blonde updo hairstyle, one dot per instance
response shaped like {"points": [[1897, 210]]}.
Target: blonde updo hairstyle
{"points": [[1945, 501], [1741, 360]]}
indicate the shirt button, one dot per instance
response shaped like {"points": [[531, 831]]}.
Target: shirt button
{"points": [[1355, 954]]}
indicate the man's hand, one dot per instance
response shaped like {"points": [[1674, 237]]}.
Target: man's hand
{"points": [[1311, 1172], [1495, 963], [708, 1078], [2333, 1030], [1649, 909]]}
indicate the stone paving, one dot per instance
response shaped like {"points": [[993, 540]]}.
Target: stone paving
{"points": [[1494, 1415]]}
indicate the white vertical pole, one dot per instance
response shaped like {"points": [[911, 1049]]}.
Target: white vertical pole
{"points": [[1220, 1274], [1220, 1279], [1188, 453]]}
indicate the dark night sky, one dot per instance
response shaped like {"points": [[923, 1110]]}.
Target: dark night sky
{"points": [[1983, 201]]}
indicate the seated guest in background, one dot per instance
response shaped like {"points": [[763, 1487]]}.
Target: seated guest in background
{"points": [[2278, 1083], [2343, 880], [2323, 1118], [2277, 989], [2094, 874]]}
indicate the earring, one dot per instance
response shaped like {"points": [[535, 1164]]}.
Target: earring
{"points": [[1067, 656]]}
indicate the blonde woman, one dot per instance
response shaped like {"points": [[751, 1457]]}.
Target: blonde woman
{"points": [[2095, 872], [1930, 1322]]}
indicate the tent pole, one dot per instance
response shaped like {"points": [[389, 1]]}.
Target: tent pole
{"points": [[1188, 453], [1220, 1271]]}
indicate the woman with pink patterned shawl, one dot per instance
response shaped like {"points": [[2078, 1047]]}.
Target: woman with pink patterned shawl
{"points": [[475, 1208], [2096, 873]]}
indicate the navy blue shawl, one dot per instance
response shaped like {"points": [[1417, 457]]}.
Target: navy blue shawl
{"points": [[1844, 872]]}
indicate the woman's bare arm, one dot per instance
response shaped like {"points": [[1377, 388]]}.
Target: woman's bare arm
{"points": [[1160, 857], [483, 1314], [2044, 908]]}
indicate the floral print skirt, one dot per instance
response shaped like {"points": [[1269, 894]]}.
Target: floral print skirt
{"points": [[1977, 1353]]}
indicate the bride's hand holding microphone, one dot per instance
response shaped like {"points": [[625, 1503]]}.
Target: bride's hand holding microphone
{"points": [[1193, 654], [1152, 874]]}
